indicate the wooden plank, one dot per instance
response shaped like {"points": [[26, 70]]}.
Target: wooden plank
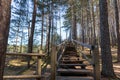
{"points": [[39, 63], [96, 58], [72, 64], [25, 54], [91, 47], [21, 76], [61, 43], [80, 71], [60, 55], [82, 66], [73, 78], [71, 57], [72, 61], [53, 63]]}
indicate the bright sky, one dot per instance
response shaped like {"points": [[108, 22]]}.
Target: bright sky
{"points": [[59, 24]]}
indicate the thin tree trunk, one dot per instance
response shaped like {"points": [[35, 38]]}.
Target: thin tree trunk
{"points": [[31, 35], [107, 66], [21, 44], [94, 22], [16, 40], [49, 32], [91, 23], [52, 25], [30, 42], [117, 29], [60, 24], [114, 38], [82, 26], [88, 21], [5, 12], [42, 26], [74, 27]]}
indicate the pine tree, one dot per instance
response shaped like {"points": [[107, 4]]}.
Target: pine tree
{"points": [[107, 66], [5, 12]]}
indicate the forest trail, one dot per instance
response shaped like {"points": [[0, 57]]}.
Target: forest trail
{"points": [[72, 66], [70, 61]]}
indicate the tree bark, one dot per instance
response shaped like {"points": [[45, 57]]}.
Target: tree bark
{"points": [[117, 29], [30, 42], [48, 37], [82, 29], [49, 31], [94, 22], [5, 12], [107, 66], [31, 34], [42, 26], [74, 27], [73, 21]]}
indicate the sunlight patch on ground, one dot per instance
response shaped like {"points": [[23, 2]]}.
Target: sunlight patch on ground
{"points": [[17, 63]]}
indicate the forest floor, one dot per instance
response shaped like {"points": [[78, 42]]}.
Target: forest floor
{"points": [[18, 66], [116, 65]]}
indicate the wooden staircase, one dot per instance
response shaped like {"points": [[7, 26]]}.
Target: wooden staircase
{"points": [[72, 65]]}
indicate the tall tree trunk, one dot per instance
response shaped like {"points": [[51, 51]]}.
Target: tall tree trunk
{"points": [[30, 42], [74, 27], [49, 31], [73, 21], [88, 21], [49, 18], [117, 29], [47, 27], [52, 24], [82, 26], [107, 66], [94, 22], [91, 21], [42, 26], [31, 34], [16, 39], [60, 24], [5, 12], [21, 44]]}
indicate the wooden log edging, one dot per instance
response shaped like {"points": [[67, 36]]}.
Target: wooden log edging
{"points": [[21, 76], [38, 76], [26, 54]]}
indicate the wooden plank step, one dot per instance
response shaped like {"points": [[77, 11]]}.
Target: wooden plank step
{"points": [[72, 61], [71, 58], [83, 66], [21, 76], [72, 64], [71, 55], [74, 71], [73, 78]]}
